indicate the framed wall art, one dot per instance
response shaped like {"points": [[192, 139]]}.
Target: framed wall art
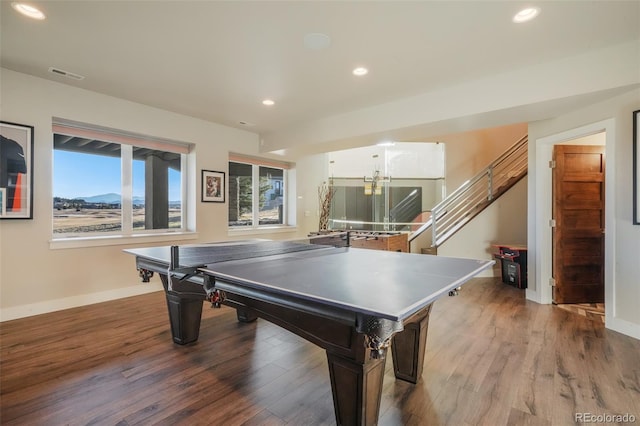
{"points": [[213, 188], [636, 167], [16, 170]]}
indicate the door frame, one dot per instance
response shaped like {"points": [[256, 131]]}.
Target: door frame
{"points": [[543, 200]]}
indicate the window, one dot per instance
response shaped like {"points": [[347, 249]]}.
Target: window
{"points": [[106, 183], [240, 194], [86, 187], [256, 193], [270, 186]]}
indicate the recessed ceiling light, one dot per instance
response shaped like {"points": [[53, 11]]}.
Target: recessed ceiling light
{"points": [[28, 10], [526, 14], [386, 143], [268, 102], [360, 71]]}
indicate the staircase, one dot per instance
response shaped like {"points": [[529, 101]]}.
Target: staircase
{"points": [[452, 213]]}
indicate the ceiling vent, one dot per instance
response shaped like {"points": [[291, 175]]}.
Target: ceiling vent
{"points": [[64, 73]]}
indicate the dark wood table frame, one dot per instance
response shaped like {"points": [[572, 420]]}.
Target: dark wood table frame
{"points": [[356, 344]]}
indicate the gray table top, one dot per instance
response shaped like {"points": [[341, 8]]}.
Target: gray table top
{"points": [[384, 284]]}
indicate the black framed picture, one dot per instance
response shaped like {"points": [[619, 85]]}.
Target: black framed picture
{"points": [[213, 189], [16, 171], [636, 166]]}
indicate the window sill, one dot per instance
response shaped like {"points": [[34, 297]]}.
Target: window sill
{"points": [[261, 230], [117, 240]]}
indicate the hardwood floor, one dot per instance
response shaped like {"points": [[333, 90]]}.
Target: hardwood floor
{"points": [[492, 359], [593, 311]]}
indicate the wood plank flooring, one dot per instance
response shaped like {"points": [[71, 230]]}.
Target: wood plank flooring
{"points": [[492, 359], [593, 311]]}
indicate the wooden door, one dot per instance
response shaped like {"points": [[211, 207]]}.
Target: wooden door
{"points": [[578, 235]]}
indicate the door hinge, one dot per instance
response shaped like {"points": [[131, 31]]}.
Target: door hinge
{"points": [[552, 223], [552, 164], [552, 282]]}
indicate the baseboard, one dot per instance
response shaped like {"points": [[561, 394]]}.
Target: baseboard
{"points": [[621, 326], [533, 296], [612, 323], [22, 311], [493, 272]]}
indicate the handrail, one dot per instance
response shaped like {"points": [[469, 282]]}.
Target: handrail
{"points": [[420, 230], [464, 187], [472, 196]]}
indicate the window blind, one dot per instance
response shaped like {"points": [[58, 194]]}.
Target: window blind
{"points": [[90, 131], [241, 158]]}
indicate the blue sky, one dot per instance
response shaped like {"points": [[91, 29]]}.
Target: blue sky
{"points": [[83, 175]]}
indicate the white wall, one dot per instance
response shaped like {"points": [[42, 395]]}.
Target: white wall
{"points": [[402, 160], [622, 240], [35, 278], [311, 172]]}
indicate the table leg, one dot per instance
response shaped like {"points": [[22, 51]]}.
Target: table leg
{"points": [[185, 314], [356, 388], [408, 348], [245, 315]]}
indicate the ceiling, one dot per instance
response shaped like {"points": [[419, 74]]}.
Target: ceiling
{"points": [[218, 60]]}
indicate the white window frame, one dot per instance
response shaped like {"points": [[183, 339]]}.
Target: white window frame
{"points": [[256, 163], [126, 235]]}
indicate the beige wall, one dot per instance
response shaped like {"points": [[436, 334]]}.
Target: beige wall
{"points": [[503, 222], [468, 153], [35, 278]]}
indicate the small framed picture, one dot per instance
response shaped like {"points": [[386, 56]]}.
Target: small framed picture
{"points": [[213, 188], [16, 170]]}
